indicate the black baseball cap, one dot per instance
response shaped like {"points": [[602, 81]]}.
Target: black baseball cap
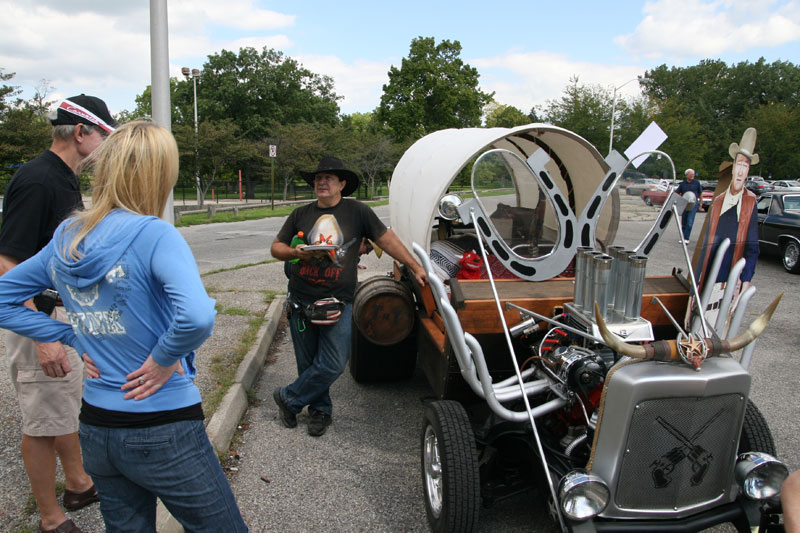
{"points": [[84, 109]]}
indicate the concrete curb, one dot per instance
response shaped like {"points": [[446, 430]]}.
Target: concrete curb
{"points": [[224, 421]]}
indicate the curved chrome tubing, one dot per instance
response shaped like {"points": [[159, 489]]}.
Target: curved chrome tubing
{"points": [[472, 363]]}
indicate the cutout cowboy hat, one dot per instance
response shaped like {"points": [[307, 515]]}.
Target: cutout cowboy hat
{"points": [[747, 147]]}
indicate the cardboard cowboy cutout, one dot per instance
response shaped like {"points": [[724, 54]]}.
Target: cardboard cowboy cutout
{"points": [[732, 216]]}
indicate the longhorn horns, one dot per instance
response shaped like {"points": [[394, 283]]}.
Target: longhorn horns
{"points": [[668, 350]]}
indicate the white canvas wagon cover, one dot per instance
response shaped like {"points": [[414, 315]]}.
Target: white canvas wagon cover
{"points": [[429, 166]]}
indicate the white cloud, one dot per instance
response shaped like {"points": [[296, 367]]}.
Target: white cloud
{"points": [[103, 47], [689, 29], [525, 79], [360, 82], [238, 14]]}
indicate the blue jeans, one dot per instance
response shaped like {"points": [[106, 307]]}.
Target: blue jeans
{"points": [[321, 353], [687, 221], [175, 462]]}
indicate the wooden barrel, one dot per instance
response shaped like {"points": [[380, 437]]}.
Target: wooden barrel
{"points": [[383, 310]]}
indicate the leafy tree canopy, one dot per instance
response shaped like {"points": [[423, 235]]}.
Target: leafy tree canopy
{"points": [[432, 90], [505, 116], [583, 109], [254, 89]]}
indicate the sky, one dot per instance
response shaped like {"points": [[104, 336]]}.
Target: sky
{"points": [[525, 51]]}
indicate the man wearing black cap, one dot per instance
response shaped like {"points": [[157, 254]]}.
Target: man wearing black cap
{"points": [[47, 376], [322, 285]]}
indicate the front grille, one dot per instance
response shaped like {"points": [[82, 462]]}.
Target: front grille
{"points": [[679, 452]]}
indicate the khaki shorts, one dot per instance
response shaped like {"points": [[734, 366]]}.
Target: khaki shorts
{"points": [[50, 406]]}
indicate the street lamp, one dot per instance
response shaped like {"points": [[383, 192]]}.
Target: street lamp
{"points": [[194, 74], [614, 108]]}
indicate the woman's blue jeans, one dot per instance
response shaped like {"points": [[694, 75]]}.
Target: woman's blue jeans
{"points": [[175, 462], [321, 353]]}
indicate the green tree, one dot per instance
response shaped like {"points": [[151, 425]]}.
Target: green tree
{"points": [[6, 91], [24, 134], [583, 109], [24, 129], [686, 143], [720, 97], [256, 89], [432, 90], [300, 147], [220, 151], [504, 116], [778, 144]]}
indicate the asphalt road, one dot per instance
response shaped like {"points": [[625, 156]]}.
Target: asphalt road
{"points": [[226, 245]]}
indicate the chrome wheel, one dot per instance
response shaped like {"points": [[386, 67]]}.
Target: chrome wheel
{"points": [[791, 257], [433, 472]]}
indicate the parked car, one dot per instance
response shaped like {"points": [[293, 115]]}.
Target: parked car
{"points": [[630, 178], [779, 227], [786, 185], [640, 185], [658, 197], [757, 185], [708, 193], [530, 389]]}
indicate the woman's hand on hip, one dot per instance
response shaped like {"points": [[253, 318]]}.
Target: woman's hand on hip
{"points": [[149, 378]]}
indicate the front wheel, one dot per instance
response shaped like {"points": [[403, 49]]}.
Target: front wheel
{"points": [[756, 435], [791, 257], [648, 201], [450, 476]]}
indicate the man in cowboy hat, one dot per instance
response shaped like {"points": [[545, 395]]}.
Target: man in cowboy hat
{"points": [[47, 376], [732, 216], [333, 228]]}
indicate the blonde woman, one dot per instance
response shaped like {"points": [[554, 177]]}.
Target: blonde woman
{"points": [[137, 309]]}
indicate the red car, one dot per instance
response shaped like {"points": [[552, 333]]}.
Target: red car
{"points": [[658, 197]]}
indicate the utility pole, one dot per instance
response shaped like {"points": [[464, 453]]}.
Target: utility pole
{"points": [[194, 74], [159, 76]]}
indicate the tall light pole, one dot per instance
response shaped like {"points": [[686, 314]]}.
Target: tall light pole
{"points": [[194, 74], [613, 111]]}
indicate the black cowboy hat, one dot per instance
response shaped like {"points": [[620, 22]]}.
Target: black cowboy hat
{"points": [[333, 165]]}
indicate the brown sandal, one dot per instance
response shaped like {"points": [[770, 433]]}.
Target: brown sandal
{"points": [[78, 500], [67, 526]]}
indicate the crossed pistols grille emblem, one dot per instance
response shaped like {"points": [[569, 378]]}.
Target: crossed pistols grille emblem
{"points": [[661, 469]]}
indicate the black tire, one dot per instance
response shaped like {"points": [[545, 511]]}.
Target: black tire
{"points": [[648, 201], [756, 435], [450, 475], [790, 256]]}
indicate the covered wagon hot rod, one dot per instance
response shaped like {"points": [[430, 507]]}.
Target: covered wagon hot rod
{"points": [[556, 362]]}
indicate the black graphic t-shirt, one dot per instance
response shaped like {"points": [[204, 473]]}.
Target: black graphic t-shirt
{"points": [[343, 225]]}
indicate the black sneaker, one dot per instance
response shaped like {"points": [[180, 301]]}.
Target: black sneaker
{"points": [[288, 418], [318, 424]]}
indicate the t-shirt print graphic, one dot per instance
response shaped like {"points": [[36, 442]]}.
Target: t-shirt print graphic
{"points": [[326, 230]]}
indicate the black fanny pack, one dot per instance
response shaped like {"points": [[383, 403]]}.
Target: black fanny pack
{"points": [[323, 312]]}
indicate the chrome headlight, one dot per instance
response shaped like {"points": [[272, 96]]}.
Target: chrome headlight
{"points": [[760, 475], [448, 206], [582, 495]]}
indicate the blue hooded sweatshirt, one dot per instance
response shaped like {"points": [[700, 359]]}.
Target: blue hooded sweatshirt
{"points": [[135, 291]]}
